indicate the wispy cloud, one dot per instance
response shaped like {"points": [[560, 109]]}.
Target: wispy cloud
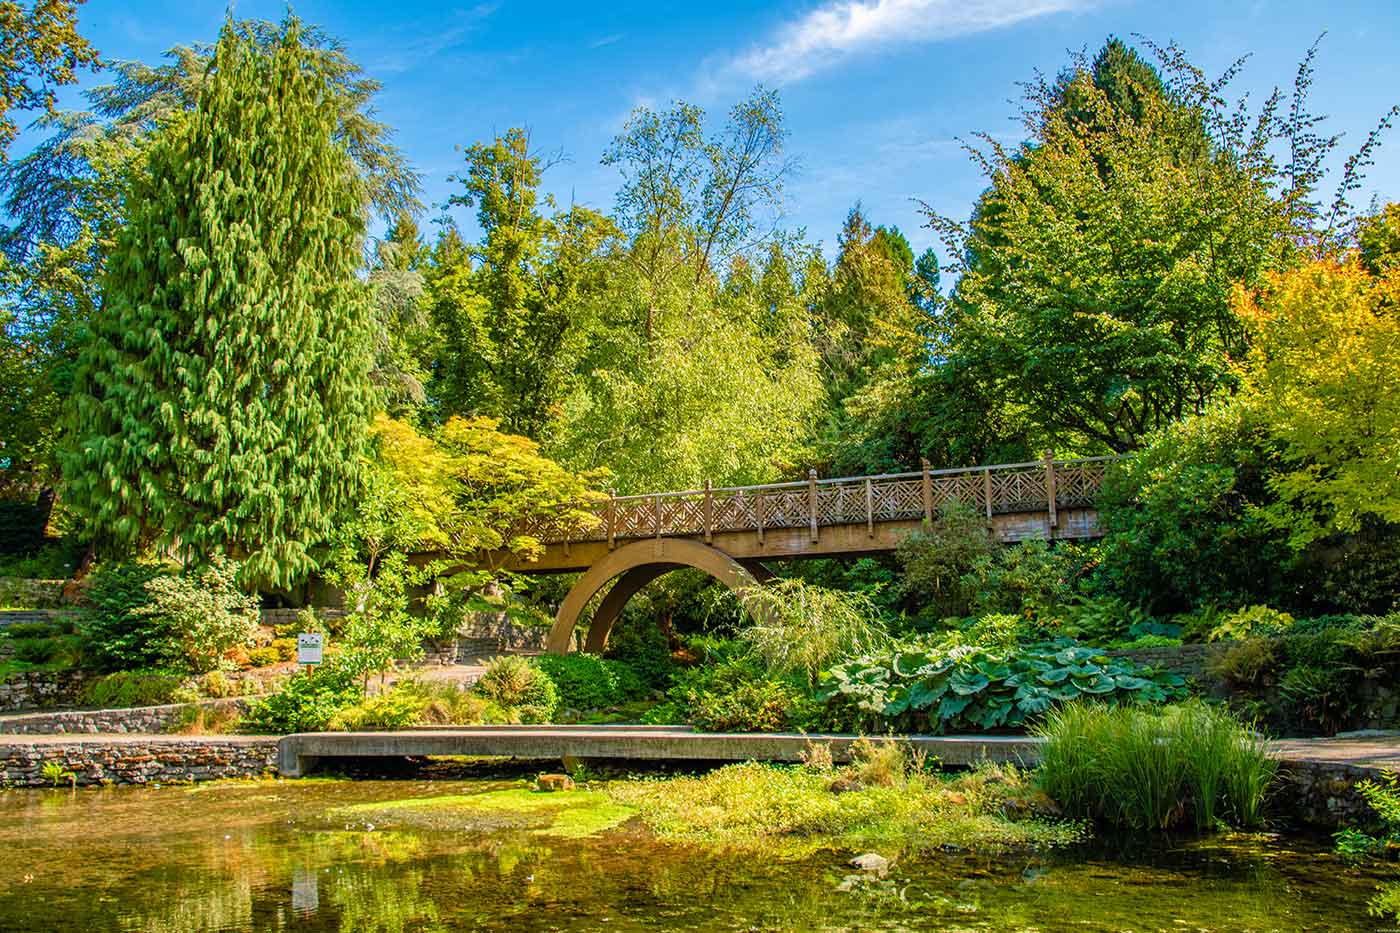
{"points": [[842, 28], [606, 40], [429, 39]]}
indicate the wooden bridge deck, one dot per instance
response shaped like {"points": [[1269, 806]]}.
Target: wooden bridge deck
{"points": [[852, 515]]}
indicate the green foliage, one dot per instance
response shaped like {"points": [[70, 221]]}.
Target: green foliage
{"points": [[1103, 619], [307, 702], [644, 648], [54, 560], [114, 623], [777, 811], [1094, 291], [1324, 696], [51, 651], [142, 616], [40, 51], [1032, 577], [29, 630], [133, 688], [55, 773], [1155, 768], [221, 400], [736, 696], [22, 527], [701, 362], [202, 614], [937, 559], [1182, 518], [920, 686], [519, 685], [1383, 797], [1252, 622], [800, 628], [1248, 663], [64, 202], [587, 682], [392, 709]]}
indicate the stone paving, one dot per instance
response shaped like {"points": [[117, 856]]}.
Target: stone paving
{"points": [[1371, 750]]}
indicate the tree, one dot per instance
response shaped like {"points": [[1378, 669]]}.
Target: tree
{"points": [[1098, 267], [402, 331], [222, 397], [697, 365], [40, 50], [61, 206], [512, 327], [690, 203], [1324, 368]]}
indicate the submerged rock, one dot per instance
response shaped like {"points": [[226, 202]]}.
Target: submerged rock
{"points": [[1032, 805], [870, 861], [553, 782]]}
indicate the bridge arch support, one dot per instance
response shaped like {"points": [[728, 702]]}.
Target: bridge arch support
{"points": [[633, 566]]}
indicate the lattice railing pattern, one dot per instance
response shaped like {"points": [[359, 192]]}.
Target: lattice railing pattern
{"points": [[1003, 489]]}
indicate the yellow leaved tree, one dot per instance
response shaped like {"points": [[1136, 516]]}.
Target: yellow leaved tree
{"points": [[1324, 370]]}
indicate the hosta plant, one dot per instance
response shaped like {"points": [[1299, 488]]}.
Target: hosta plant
{"points": [[975, 688]]}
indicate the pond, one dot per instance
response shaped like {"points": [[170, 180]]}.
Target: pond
{"points": [[307, 855]]}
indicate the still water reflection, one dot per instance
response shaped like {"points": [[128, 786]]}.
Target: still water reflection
{"points": [[278, 856]]}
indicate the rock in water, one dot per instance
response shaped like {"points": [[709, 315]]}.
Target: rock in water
{"points": [[552, 782], [871, 862]]}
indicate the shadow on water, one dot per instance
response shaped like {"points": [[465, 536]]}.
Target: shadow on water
{"points": [[271, 856]]}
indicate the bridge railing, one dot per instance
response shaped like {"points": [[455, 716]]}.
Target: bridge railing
{"points": [[1036, 486]]}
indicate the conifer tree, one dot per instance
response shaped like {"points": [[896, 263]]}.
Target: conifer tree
{"points": [[222, 399]]}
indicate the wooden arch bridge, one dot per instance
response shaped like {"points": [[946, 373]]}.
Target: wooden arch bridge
{"points": [[730, 532]]}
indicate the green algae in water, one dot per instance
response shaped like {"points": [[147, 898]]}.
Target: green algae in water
{"points": [[167, 860], [572, 814]]}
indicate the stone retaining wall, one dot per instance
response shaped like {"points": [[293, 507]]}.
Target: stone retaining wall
{"points": [[275, 617], [147, 760], [1189, 661], [140, 719], [19, 591], [1322, 793], [39, 689], [10, 617], [488, 635]]}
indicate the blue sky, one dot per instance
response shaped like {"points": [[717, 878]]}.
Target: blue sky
{"points": [[876, 91]]}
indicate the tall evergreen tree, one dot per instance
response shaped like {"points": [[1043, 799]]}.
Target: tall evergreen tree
{"points": [[222, 399]]}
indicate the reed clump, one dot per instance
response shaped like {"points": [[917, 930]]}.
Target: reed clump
{"points": [[1156, 768]]}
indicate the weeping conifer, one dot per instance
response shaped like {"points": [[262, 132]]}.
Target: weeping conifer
{"points": [[222, 401]]}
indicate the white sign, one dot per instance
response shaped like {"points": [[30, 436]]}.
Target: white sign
{"points": [[309, 648]]}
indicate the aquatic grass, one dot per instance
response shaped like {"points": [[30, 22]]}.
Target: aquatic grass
{"points": [[572, 814], [791, 811], [1147, 768]]}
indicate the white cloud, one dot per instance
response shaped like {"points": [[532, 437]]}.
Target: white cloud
{"points": [[837, 29]]}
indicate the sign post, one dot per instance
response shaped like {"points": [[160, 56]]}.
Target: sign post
{"points": [[309, 648]]}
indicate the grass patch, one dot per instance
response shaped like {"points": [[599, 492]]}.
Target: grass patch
{"points": [[794, 809], [1150, 768], [572, 814]]}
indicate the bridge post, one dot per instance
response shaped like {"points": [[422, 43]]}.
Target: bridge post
{"points": [[812, 502], [869, 509], [1050, 489], [987, 490], [612, 519], [709, 512], [928, 490], [656, 513], [758, 513]]}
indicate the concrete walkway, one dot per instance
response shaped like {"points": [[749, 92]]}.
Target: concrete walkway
{"points": [[298, 753]]}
